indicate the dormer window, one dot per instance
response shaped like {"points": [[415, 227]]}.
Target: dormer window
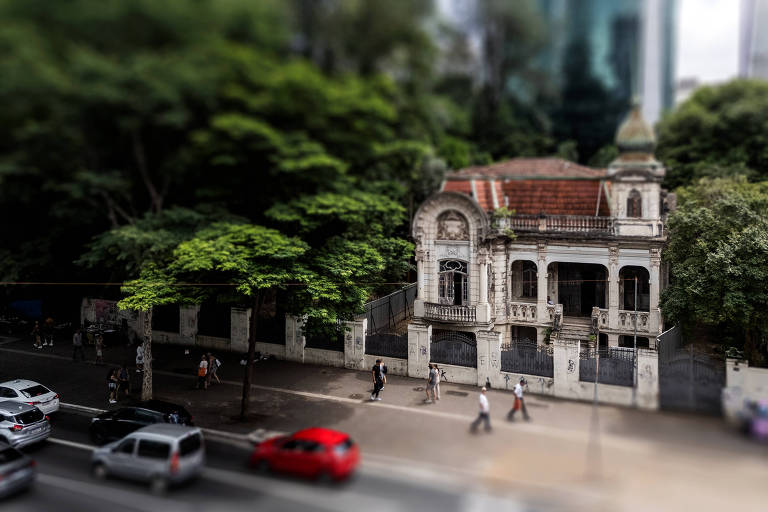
{"points": [[634, 204]]}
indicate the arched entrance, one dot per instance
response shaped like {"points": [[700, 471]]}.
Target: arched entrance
{"points": [[580, 287], [628, 276]]}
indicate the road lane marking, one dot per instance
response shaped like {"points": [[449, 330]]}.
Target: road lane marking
{"points": [[72, 444]]}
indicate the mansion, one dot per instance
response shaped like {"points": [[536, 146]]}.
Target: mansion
{"points": [[540, 249]]}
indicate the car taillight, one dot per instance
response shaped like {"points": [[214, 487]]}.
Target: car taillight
{"points": [[57, 395], [34, 403], [47, 418], [15, 428], [175, 462]]}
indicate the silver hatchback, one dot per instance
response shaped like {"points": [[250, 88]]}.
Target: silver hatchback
{"points": [[22, 424], [160, 454], [17, 471]]}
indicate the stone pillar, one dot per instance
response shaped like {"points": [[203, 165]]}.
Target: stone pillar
{"points": [[421, 292], [483, 308], [294, 338], [613, 340], [566, 366], [655, 285], [188, 323], [489, 358], [419, 338], [239, 329], [647, 379], [354, 344], [613, 288], [541, 285]]}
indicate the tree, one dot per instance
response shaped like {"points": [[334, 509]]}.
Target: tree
{"points": [[253, 258], [719, 131], [718, 256], [153, 288]]}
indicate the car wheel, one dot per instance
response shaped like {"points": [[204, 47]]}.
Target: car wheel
{"points": [[262, 466], [99, 471], [158, 485]]}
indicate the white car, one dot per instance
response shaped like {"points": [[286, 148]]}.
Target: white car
{"points": [[30, 392]]}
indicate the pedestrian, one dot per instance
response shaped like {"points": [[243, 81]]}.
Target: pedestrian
{"points": [[549, 301], [202, 372], [484, 414], [174, 417], [36, 336], [112, 385], [437, 381], [519, 401], [48, 332], [140, 358], [213, 367], [99, 348], [209, 373], [379, 378], [124, 382], [77, 345], [431, 376]]}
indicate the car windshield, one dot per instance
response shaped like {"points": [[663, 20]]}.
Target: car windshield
{"points": [[28, 417], [343, 447], [34, 391], [9, 455]]}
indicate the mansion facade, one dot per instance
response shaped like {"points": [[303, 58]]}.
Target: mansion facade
{"points": [[540, 249]]}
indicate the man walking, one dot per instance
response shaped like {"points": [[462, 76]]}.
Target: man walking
{"points": [[437, 381], [77, 345], [519, 401], [484, 414], [379, 378], [431, 382]]}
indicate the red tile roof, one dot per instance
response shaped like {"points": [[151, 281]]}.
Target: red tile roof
{"points": [[535, 185]]}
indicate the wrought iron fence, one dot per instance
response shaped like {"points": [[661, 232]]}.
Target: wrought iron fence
{"points": [[525, 356], [391, 313], [387, 345], [453, 347], [616, 366], [324, 337]]}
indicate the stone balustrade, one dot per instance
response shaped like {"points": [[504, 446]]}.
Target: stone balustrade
{"points": [[556, 223], [600, 316], [627, 321], [450, 313], [522, 312]]}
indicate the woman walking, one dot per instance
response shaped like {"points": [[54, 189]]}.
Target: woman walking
{"points": [[112, 385], [36, 336], [202, 372]]}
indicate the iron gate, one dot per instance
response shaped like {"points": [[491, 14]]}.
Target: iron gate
{"points": [[616, 366], [525, 356], [453, 347], [689, 379]]}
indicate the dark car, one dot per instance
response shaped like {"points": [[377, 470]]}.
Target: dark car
{"points": [[116, 424], [165, 408]]}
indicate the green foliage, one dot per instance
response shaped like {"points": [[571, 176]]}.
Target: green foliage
{"points": [[154, 287], [568, 150], [719, 131], [718, 255]]}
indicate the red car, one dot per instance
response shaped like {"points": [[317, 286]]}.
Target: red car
{"points": [[311, 453]]}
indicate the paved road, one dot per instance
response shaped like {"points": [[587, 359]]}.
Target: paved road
{"points": [[423, 457]]}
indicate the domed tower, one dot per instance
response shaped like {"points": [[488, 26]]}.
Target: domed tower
{"points": [[636, 177]]}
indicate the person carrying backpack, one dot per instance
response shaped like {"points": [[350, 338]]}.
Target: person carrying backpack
{"points": [[378, 374]]}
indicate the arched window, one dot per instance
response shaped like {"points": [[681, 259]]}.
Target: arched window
{"points": [[530, 281], [634, 204], [454, 283]]}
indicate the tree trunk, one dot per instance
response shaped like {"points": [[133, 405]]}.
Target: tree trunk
{"points": [[146, 382], [256, 309]]}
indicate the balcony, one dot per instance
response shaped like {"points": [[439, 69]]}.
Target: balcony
{"points": [[556, 224], [450, 313], [627, 321], [522, 312]]}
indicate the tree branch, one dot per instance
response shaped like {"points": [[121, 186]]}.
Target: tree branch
{"points": [[141, 164]]}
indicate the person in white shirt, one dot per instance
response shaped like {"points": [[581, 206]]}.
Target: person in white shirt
{"points": [[140, 358], [484, 414], [519, 401]]}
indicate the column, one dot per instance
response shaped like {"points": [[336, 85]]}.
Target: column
{"points": [[294, 338], [483, 308], [655, 311], [421, 292], [239, 329], [541, 285], [647, 379], [354, 344], [419, 338], [613, 287], [489, 358]]}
